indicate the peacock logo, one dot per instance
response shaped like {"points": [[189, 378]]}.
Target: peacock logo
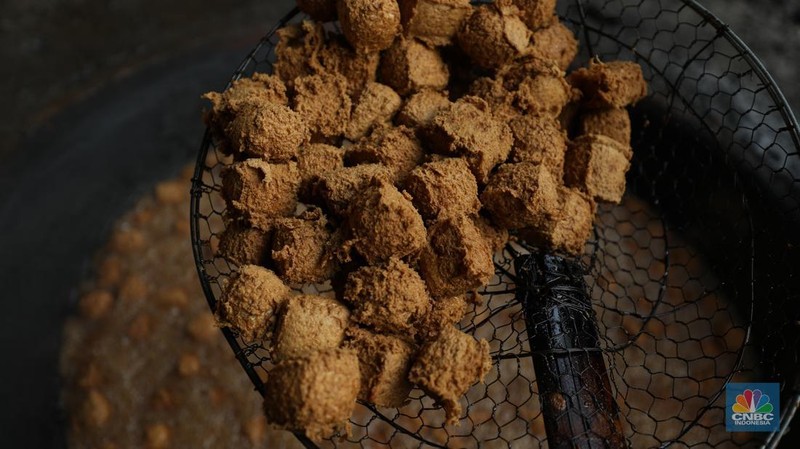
{"points": [[752, 407], [752, 401]]}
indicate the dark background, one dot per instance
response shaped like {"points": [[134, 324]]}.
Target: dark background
{"points": [[101, 100]]}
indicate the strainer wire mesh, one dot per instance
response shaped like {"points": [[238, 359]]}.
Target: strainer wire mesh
{"points": [[690, 277]]}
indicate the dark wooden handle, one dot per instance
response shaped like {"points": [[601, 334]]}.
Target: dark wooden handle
{"points": [[578, 404]]}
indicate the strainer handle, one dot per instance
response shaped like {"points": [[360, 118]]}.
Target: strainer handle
{"points": [[578, 406]]}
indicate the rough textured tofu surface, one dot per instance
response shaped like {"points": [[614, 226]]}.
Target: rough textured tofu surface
{"points": [[443, 188], [307, 324], [522, 195], [250, 302], [610, 85], [384, 361], [259, 192], [314, 394], [391, 298], [446, 367], [458, 258], [384, 224], [598, 165]]}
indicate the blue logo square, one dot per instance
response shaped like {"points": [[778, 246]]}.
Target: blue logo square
{"points": [[752, 407]]}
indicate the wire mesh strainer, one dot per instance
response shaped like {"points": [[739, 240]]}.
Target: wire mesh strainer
{"points": [[694, 277]]}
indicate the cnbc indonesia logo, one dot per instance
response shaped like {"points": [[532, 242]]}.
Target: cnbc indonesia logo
{"points": [[752, 407]]}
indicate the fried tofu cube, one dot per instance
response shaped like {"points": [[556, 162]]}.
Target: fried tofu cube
{"points": [[308, 324], [500, 100], [569, 232], [409, 66], [397, 148], [434, 22], [443, 188], [421, 107], [295, 53], [389, 298], [613, 122], [445, 313], [537, 13], [458, 258], [556, 43], [359, 68], [323, 103], [315, 160], [614, 84], [539, 86], [497, 237], [268, 131], [260, 192], [598, 166], [314, 394], [494, 35], [447, 367], [376, 106], [250, 302], [303, 248], [369, 25], [384, 224], [522, 195], [385, 361], [468, 129], [539, 140], [338, 188], [241, 244]]}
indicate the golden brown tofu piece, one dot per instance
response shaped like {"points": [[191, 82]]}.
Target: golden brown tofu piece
{"points": [[571, 229], [303, 248], [434, 22], [556, 43], [384, 361], [500, 100], [314, 394], [493, 35], [614, 84], [536, 13], [319, 10], [256, 90], [445, 313], [447, 367], [308, 324], [316, 159], [242, 244], [268, 131], [421, 107], [369, 25], [250, 302], [613, 122], [384, 224], [539, 86], [409, 66], [521, 195], [259, 192], [359, 68], [598, 166], [468, 129], [497, 237], [389, 299], [458, 258], [398, 149], [337, 189], [324, 104], [376, 106], [443, 188], [539, 140], [297, 49]]}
